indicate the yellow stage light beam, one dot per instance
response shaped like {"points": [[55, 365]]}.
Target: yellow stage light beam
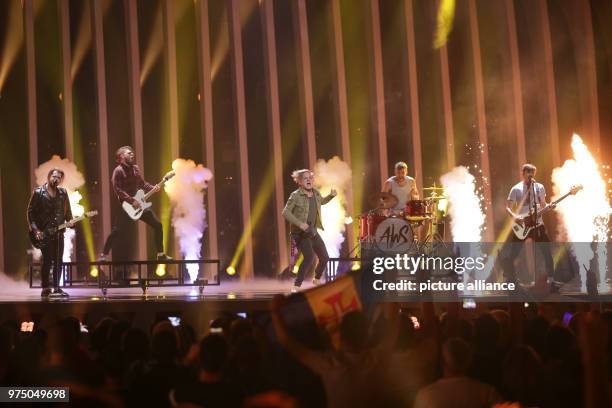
{"points": [[93, 272], [221, 47], [155, 44], [13, 40], [83, 37], [83, 40], [446, 15], [297, 265], [230, 270], [79, 160], [266, 188]]}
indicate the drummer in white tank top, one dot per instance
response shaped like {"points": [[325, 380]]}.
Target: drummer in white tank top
{"points": [[402, 186]]}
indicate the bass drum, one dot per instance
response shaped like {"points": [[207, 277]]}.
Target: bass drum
{"points": [[394, 234]]}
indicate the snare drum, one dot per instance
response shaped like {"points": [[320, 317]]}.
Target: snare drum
{"points": [[418, 208]]}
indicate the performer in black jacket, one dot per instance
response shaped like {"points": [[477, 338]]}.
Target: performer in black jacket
{"points": [[49, 207]]}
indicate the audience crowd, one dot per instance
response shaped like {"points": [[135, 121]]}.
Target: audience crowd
{"points": [[427, 355]]}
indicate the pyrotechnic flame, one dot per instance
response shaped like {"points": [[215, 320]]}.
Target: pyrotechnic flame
{"points": [[333, 174], [186, 192], [465, 205], [465, 210], [585, 216]]}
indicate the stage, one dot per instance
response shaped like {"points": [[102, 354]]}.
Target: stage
{"points": [[20, 303]]}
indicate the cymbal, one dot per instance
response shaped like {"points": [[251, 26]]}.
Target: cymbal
{"points": [[434, 188], [436, 197], [383, 200]]}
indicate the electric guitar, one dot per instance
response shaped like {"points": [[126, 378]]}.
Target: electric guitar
{"points": [[141, 197], [522, 229], [49, 232]]}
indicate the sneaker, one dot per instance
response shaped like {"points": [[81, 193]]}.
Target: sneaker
{"points": [[45, 293], [316, 281], [60, 292], [295, 289], [164, 257]]}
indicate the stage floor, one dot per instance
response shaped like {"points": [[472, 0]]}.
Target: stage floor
{"points": [[19, 292]]}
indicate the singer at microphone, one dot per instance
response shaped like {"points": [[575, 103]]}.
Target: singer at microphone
{"points": [[522, 205]]}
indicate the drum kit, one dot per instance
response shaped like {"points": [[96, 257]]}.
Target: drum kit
{"points": [[389, 229]]}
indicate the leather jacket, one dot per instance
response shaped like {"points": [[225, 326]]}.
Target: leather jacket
{"points": [[45, 211]]}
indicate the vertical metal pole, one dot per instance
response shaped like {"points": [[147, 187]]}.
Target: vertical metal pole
{"points": [[170, 56], [305, 78], [67, 77], [98, 36], [482, 123], [31, 89], [206, 115], [517, 93], [339, 84], [549, 79], [133, 50], [171, 81], [235, 27], [377, 86], [413, 93], [587, 71], [275, 128]]}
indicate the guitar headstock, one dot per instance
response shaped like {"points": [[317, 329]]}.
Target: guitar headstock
{"points": [[169, 175], [576, 189]]}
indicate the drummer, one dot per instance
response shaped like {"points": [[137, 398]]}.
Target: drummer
{"points": [[401, 186]]}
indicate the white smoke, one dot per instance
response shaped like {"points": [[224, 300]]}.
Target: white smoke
{"points": [[586, 215], [465, 205], [333, 174], [12, 289], [186, 192], [73, 179]]}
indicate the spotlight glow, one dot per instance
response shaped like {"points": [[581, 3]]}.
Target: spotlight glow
{"points": [[230, 270], [160, 270], [93, 272]]}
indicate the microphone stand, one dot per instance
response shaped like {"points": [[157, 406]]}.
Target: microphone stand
{"points": [[534, 223]]}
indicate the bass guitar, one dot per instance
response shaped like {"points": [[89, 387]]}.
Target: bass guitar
{"points": [[523, 228], [49, 232]]}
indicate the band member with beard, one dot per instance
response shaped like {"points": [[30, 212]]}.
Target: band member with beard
{"points": [[303, 212], [49, 207], [522, 198], [126, 181]]}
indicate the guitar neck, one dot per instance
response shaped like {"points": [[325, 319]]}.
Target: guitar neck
{"points": [[557, 201], [150, 193], [74, 220]]}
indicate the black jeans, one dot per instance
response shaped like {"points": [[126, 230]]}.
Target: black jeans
{"points": [[122, 220], [309, 246], [512, 248], [52, 256]]}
